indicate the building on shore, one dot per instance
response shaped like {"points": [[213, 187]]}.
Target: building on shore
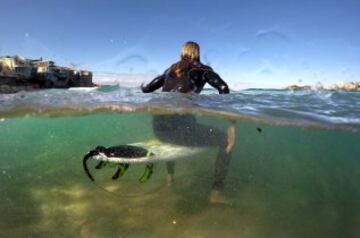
{"points": [[18, 73]]}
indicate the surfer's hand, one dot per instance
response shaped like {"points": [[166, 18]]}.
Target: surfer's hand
{"points": [[231, 138], [142, 87]]}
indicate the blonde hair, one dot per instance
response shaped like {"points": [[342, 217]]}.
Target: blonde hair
{"points": [[190, 51]]}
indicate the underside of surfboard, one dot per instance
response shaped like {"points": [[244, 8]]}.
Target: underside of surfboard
{"points": [[147, 152]]}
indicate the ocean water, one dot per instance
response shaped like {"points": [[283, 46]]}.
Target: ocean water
{"points": [[298, 177]]}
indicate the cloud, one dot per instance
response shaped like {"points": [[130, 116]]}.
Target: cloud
{"points": [[134, 57], [265, 71], [123, 79], [272, 32], [243, 51], [131, 60]]}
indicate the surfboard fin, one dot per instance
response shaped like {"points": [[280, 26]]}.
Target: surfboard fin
{"points": [[100, 165], [117, 174], [121, 169], [147, 173]]}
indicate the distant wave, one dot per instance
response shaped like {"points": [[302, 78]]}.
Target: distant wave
{"points": [[309, 109], [135, 80], [346, 86]]}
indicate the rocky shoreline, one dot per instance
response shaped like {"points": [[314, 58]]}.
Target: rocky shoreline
{"points": [[345, 86], [18, 73]]}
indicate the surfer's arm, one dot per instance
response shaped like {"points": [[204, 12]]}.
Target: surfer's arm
{"points": [[155, 84], [231, 136], [215, 81]]}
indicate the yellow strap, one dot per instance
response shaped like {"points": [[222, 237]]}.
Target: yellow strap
{"points": [[153, 143]]}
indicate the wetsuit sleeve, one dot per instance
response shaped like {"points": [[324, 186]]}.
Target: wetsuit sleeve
{"points": [[156, 83], [215, 81]]}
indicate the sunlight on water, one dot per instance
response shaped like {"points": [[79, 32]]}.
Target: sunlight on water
{"points": [[312, 108], [286, 182]]}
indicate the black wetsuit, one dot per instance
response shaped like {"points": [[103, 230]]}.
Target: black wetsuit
{"points": [[184, 77]]}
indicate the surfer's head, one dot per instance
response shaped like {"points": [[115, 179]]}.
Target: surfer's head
{"points": [[190, 51]]}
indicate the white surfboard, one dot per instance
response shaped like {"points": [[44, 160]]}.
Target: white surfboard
{"points": [[83, 89], [158, 151]]}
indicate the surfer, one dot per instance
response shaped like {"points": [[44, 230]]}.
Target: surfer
{"points": [[189, 75]]}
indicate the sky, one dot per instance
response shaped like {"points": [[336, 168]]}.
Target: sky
{"points": [[250, 43]]}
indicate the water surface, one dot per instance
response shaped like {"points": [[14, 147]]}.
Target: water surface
{"points": [[297, 178]]}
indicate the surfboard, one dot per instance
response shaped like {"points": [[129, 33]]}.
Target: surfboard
{"points": [[156, 151], [147, 152], [83, 89]]}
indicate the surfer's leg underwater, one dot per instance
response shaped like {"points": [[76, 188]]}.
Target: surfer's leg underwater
{"points": [[171, 129], [221, 170], [225, 143], [170, 177], [204, 135], [185, 130], [223, 157]]}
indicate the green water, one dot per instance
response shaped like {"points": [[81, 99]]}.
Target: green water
{"points": [[285, 182]]}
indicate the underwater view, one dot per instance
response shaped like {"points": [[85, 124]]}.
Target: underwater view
{"points": [[293, 171], [181, 119]]}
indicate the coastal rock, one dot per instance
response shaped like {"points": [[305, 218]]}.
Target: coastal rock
{"points": [[298, 88], [18, 73], [346, 86]]}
